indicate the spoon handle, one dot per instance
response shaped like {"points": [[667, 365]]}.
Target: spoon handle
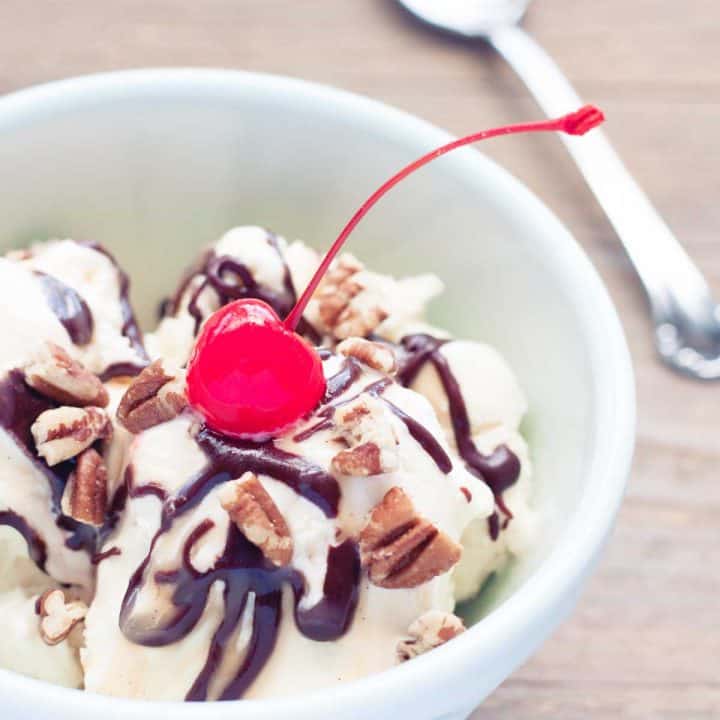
{"points": [[676, 289]]}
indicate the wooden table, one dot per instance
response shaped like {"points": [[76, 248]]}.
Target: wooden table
{"points": [[645, 640]]}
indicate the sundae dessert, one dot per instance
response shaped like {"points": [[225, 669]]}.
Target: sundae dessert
{"points": [[271, 493]]}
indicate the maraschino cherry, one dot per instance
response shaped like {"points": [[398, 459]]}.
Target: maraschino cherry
{"points": [[250, 374]]}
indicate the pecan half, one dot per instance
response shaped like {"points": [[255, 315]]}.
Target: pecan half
{"points": [[364, 424], [429, 631], [65, 380], [345, 307], [85, 495], [57, 617], [257, 516], [64, 432], [400, 549], [378, 356], [153, 397]]}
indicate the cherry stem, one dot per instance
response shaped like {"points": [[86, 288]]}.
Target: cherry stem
{"points": [[575, 123]]}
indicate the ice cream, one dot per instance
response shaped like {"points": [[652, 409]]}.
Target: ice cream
{"points": [[66, 320], [219, 568]]}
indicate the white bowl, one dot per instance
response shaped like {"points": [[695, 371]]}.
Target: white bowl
{"points": [[156, 163]]}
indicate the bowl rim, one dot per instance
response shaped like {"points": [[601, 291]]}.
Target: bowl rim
{"points": [[556, 579]]}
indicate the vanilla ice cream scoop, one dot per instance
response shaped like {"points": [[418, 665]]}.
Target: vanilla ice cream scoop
{"points": [[227, 548], [66, 319], [480, 405], [87, 293]]}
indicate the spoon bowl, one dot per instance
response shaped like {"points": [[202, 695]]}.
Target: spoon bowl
{"points": [[471, 18]]}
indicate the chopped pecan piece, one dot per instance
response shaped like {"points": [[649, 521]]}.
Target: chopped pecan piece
{"points": [[64, 432], [365, 426], [429, 631], [257, 516], [362, 461], [57, 617], [338, 289], [85, 495], [65, 380], [153, 397], [400, 549], [378, 356], [344, 305]]}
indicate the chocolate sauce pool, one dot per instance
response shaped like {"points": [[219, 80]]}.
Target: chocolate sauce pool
{"points": [[501, 468], [69, 308], [243, 569]]}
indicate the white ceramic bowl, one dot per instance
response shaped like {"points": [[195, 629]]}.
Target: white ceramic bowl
{"points": [[156, 163]]}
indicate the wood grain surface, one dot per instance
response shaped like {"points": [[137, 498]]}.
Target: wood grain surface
{"points": [[645, 639]]}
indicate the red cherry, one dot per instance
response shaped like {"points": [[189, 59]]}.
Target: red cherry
{"points": [[249, 375]]}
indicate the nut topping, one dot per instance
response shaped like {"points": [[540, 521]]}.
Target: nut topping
{"points": [[376, 355], [85, 496], [429, 631], [58, 618], [64, 432], [338, 289], [65, 380], [362, 461], [257, 516], [153, 397], [400, 549], [365, 426], [345, 306]]}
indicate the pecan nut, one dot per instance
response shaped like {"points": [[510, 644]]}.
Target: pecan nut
{"points": [[153, 397], [338, 289], [429, 631], [365, 426], [65, 380], [345, 306], [86, 491], [400, 549], [378, 356], [57, 617], [257, 516], [64, 432], [361, 461]]}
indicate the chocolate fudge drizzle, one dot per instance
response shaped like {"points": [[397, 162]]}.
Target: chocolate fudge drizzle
{"points": [[233, 280], [20, 406], [35, 544], [337, 384], [69, 308], [243, 568], [501, 468], [130, 329]]}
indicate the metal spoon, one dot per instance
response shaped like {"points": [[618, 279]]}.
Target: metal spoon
{"points": [[687, 319]]}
